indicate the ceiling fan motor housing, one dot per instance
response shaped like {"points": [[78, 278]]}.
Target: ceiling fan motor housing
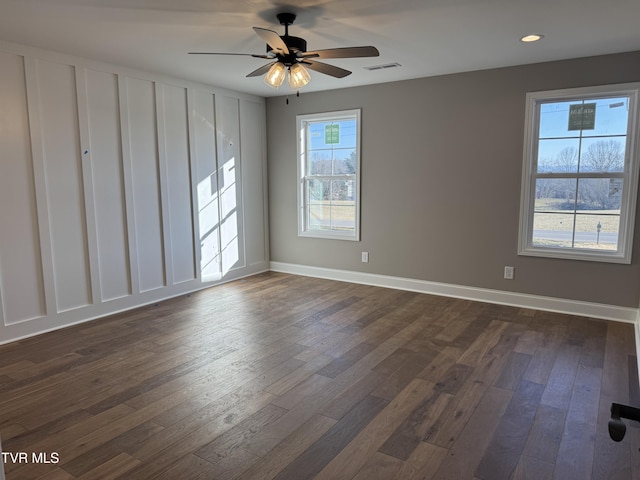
{"points": [[294, 44]]}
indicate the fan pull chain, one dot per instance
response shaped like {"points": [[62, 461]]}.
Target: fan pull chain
{"points": [[297, 95]]}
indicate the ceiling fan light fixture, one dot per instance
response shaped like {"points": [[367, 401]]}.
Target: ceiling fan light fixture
{"points": [[275, 75], [286, 53], [298, 76]]}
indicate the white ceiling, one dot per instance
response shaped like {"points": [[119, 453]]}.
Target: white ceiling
{"points": [[426, 37]]}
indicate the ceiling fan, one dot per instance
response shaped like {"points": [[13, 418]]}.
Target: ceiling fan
{"points": [[289, 54]]}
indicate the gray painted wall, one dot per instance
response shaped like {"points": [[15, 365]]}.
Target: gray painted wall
{"points": [[441, 172]]}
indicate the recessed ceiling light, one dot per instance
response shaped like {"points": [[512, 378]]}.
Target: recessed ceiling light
{"points": [[534, 37]]}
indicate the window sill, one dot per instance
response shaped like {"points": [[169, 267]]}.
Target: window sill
{"points": [[329, 236], [585, 255]]}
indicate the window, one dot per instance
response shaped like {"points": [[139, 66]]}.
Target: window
{"points": [[580, 173], [329, 175]]}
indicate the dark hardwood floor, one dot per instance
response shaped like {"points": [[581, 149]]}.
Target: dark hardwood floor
{"points": [[285, 377]]}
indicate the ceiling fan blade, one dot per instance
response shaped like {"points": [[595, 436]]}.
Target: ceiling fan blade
{"points": [[272, 39], [261, 71], [346, 52], [241, 54], [326, 69]]}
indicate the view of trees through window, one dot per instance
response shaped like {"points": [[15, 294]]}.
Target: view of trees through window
{"points": [[580, 173]]}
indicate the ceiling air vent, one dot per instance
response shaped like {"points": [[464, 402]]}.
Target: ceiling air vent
{"points": [[382, 67]]}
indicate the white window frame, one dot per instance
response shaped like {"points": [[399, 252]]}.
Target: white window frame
{"points": [[301, 122], [629, 176]]}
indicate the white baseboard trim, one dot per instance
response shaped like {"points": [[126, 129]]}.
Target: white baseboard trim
{"points": [[551, 304], [21, 330]]}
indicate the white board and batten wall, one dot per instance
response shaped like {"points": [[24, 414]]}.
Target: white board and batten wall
{"points": [[120, 188]]}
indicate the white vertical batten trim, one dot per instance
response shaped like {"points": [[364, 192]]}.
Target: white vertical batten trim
{"points": [[239, 205], [127, 170], [163, 183], [265, 185], [193, 176], [216, 166], [88, 193], [40, 182]]}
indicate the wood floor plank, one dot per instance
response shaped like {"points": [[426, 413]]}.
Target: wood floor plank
{"points": [[343, 362], [309, 387], [219, 449], [237, 372], [483, 343], [355, 455], [275, 433], [560, 382], [593, 348], [380, 307], [511, 374], [162, 451], [202, 426], [111, 468], [57, 474], [545, 435], [612, 460], [379, 467], [466, 453], [544, 356], [443, 361], [298, 375], [289, 449], [454, 378], [203, 397], [343, 402], [29, 471], [13, 430], [189, 467], [410, 432], [503, 452], [325, 312], [475, 326], [446, 429], [423, 462], [615, 361], [528, 342], [578, 439], [124, 443], [63, 441], [634, 441], [279, 376], [333, 441], [530, 468], [404, 375]]}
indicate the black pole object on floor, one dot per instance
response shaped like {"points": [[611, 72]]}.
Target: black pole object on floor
{"points": [[617, 428]]}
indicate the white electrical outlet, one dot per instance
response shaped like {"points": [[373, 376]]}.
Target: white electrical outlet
{"points": [[365, 257], [508, 273]]}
